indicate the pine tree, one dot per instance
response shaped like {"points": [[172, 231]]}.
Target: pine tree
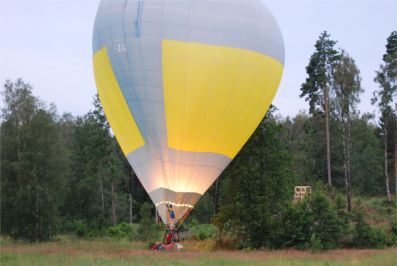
{"points": [[386, 77], [317, 86]]}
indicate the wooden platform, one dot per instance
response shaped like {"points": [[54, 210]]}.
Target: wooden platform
{"points": [[301, 192]]}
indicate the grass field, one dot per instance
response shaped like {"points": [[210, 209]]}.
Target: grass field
{"points": [[70, 251]]}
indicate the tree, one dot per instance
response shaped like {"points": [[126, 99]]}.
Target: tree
{"points": [[386, 77], [100, 174], [32, 172], [256, 186], [302, 136], [367, 158], [317, 86], [296, 134], [347, 88]]}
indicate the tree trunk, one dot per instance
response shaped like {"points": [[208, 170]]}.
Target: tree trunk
{"points": [[36, 214], [102, 197], [348, 164], [395, 160], [395, 167], [130, 202], [114, 217], [386, 165], [216, 197], [327, 135], [345, 143]]}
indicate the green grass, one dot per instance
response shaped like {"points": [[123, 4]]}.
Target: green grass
{"points": [[72, 251], [387, 258]]}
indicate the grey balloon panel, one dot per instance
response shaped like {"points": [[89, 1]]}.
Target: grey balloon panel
{"points": [[241, 24]]}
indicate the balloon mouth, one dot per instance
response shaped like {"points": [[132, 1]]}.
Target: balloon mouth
{"points": [[174, 204]]}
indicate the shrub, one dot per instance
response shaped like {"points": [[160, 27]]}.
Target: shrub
{"points": [[115, 232], [122, 230], [313, 221], [80, 228], [315, 243], [366, 236], [393, 228], [147, 229], [203, 231]]}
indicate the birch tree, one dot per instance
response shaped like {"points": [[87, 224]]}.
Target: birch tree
{"points": [[347, 90]]}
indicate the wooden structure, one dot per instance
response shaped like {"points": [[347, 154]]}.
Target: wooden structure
{"points": [[301, 192]]}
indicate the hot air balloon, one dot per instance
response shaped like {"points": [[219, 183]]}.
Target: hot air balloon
{"points": [[184, 84]]}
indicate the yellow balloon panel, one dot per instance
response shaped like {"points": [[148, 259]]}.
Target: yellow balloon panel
{"points": [[116, 109], [215, 96]]}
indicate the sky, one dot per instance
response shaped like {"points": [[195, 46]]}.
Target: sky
{"points": [[48, 44]]}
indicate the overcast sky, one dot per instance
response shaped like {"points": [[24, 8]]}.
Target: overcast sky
{"points": [[48, 44]]}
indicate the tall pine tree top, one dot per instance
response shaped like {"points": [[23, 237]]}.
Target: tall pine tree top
{"points": [[319, 71], [390, 58], [386, 77]]}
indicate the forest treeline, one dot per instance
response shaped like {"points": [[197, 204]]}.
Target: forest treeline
{"points": [[60, 172]]}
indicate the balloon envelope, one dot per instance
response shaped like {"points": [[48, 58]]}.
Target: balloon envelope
{"points": [[184, 84]]}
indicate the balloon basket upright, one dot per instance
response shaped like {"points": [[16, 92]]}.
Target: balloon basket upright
{"points": [[171, 239]]}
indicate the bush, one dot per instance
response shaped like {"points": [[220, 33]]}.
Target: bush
{"points": [[80, 228], [203, 231], [83, 230], [313, 223], [366, 236], [393, 228], [122, 230], [315, 243], [147, 229]]}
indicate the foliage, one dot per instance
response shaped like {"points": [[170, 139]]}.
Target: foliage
{"points": [[122, 230], [393, 227], [315, 243], [204, 210], [32, 172], [313, 223], [366, 158], [203, 231], [385, 98], [317, 88], [366, 236], [256, 187], [319, 71], [147, 229], [347, 87]]}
